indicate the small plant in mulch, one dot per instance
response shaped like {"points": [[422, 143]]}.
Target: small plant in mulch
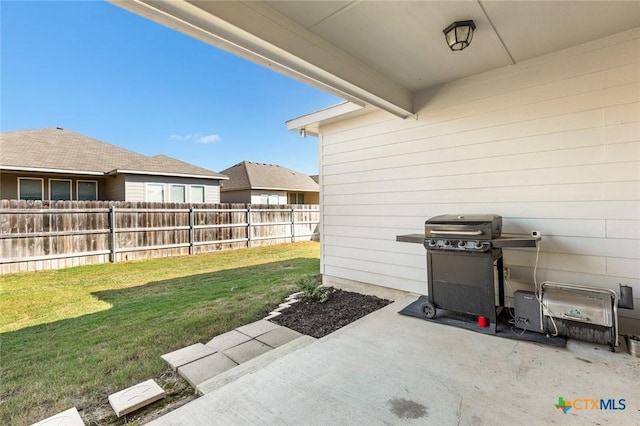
{"points": [[311, 287]]}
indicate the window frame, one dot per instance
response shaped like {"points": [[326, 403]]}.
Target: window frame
{"points": [[204, 193], [298, 197], [31, 178], [184, 193], [69, 181], [79, 181], [146, 191]]}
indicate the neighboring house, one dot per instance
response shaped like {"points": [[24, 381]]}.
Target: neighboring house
{"points": [[538, 120], [259, 183], [57, 164]]}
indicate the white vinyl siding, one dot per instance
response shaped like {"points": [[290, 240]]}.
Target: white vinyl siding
{"points": [[551, 144], [60, 189]]}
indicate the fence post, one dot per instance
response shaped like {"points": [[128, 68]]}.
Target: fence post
{"points": [[191, 230], [112, 233], [249, 226], [293, 225]]}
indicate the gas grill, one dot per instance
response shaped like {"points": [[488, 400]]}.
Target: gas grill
{"points": [[462, 262], [468, 233]]}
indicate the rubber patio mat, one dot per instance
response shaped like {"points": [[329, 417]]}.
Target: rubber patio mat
{"points": [[503, 327]]}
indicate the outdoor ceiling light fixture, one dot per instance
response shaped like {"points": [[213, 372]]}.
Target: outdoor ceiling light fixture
{"points": [[303, 132], [459, 34]]}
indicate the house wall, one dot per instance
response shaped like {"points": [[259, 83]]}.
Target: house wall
{"points": [[551, 144], [310, 197], [135, 186], [243, 196], [115, 188], [9, 184], [255, 197]]}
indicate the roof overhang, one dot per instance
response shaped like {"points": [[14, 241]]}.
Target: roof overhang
{"points": [[50, 170], [311, 122], [386, 54], [268, 189], [152, 173]]}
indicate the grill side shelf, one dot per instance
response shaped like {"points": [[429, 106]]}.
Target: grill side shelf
{"points": [[504, 241], [411, 238], [515, 241]]}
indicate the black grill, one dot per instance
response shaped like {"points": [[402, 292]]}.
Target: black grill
{"points": [[462, 262]]}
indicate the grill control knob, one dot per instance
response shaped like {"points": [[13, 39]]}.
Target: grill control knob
{"points": [[447, 243], [462, 244], [432, 243], [479, 244]]}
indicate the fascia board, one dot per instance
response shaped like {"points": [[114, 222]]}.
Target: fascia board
{"points": [[283, 189], [312, 121], [186, 175], [51, 170]]}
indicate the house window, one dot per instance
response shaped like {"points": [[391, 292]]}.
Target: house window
{"points": [[296, 198], [273, 199], [155, 192], [178, 193], [59, 189], [197, 194], [87, 190], [264, 198], [30, 188]]}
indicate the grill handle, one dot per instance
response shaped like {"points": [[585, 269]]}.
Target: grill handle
{"points": [[576, 318], [474, 233]]}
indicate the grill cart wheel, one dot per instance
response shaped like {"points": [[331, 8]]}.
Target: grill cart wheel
{"points": [[428, 310]]}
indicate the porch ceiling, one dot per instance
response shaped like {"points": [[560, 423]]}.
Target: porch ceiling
{"points": [[382, 52]]}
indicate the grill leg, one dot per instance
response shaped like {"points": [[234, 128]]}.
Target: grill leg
{"points": [[500, 266]]}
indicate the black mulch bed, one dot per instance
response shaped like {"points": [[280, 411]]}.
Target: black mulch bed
{"points": [[316, 319]]}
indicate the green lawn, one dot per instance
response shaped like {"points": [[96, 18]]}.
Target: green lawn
{"points": [[71, 337]]}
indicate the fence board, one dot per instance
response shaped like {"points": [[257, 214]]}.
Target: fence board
{"points": [[37, 235]]}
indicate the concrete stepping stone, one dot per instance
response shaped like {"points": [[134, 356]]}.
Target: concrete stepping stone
{"points": [[253, 365], [205, 368], [227, 340], [183, 356], [135, 397], [69, 417], [257, 328], [278, 337], [246, 351]]}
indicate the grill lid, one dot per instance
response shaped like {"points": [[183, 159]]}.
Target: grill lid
{"points": [[466, 219], [472, 226]]}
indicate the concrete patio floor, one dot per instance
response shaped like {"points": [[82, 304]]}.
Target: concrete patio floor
{"points": [[391, 369]]}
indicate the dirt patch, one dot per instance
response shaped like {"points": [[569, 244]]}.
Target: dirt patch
{"points": [[178, 392], [317, 319]]}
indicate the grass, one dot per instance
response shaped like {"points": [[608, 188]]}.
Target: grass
{"points": [[71, 337]]}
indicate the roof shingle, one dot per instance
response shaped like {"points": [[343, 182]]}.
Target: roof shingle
{"points": [[249, 175], [63, 150]]}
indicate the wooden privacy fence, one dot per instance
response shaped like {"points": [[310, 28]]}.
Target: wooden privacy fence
{"points": [[36, 235]]}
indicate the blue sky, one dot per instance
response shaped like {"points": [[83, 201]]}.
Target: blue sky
{"points": [[99, 70]]}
